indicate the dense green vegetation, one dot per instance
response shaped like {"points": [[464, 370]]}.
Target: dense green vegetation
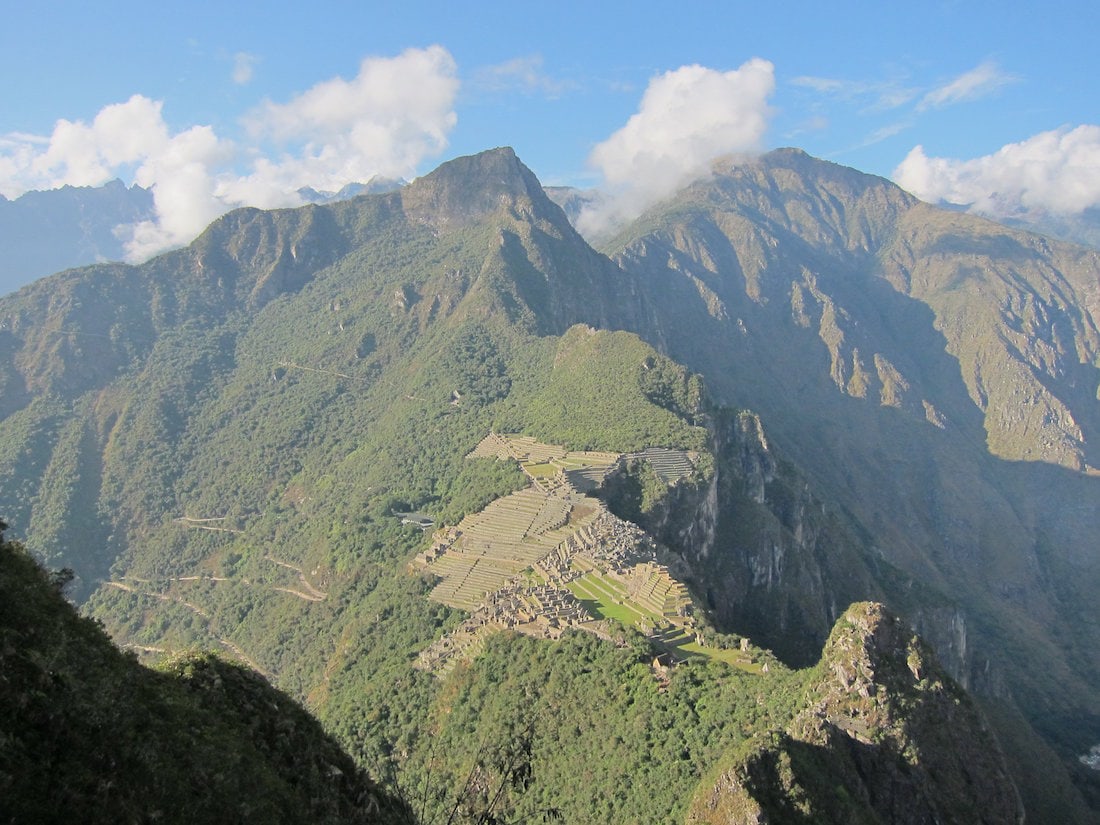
{"points": [[635, 492], [622, 725], [609, 391], [87, 728]]}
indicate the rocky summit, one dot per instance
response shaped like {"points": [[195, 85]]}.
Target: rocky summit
{"points": [[886, 737]]}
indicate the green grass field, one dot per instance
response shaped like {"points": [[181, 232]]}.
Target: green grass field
{"points": [[601, 604], [603, 599], [532, 578], [733, 658]]}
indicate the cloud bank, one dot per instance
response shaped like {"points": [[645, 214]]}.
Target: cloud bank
{"points": [[687, 117], [392, 115], [1054, 172]]}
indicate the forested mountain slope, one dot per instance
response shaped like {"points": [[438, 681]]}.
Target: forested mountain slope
{"points": [[221, 444]]}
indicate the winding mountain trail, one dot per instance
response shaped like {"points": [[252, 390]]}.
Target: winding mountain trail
{"points": [[200, 524], [311, 594], [198, 611], [164, 597]]}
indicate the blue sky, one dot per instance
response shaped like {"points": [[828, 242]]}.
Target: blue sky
{"points": [[217, 106]]}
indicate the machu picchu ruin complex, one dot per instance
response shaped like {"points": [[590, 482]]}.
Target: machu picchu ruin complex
{"points": [[551, 557]]}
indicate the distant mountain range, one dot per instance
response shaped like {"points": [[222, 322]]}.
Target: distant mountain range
{"points": [[1083, 228], [43, 232], [881, 402], [375, 186], [46, 232]]}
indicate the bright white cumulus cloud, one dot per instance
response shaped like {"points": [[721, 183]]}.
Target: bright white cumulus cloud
{"points": [[83, 154], [687, 118], [393, 114], [1055, 172], [388, 118]]}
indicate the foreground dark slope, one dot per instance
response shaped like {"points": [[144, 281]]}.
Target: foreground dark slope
{"points": [[935, 374], [230, 428], [90, 734]]}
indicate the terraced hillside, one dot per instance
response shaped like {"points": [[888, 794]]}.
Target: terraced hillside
{"points": [[548, 558]]}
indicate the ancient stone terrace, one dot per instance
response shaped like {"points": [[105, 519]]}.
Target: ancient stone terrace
{"points": [[522, 448], [585, 470], [512, 565], [490, 548], [492, 446], [544, 611], [651, 586], [669, 465], [549, 467], [587, 478]]}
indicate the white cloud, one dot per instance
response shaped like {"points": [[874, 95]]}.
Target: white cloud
{"points": [[244, 67], [687, 118], [395, 113], [882, 133], [1056, 171], [82, 154], [978, 82], [811, 124], [385, 120], [824, 85], [880, 95], [185, 192], [130, 137]]}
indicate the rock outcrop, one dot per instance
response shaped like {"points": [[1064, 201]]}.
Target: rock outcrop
{"points": [[886, 736]]}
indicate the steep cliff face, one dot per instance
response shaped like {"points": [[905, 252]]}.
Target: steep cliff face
{"points": [[886, 737], [766, 556], [775, 562], [781, 565], [934, 376]]}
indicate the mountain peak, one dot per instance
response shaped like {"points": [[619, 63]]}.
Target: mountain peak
{"points": [[871, 644], [822, 172], [468, 188]]}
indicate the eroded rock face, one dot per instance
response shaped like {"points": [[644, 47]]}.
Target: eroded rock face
{"points": [[761, 549], [886, 736]]}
